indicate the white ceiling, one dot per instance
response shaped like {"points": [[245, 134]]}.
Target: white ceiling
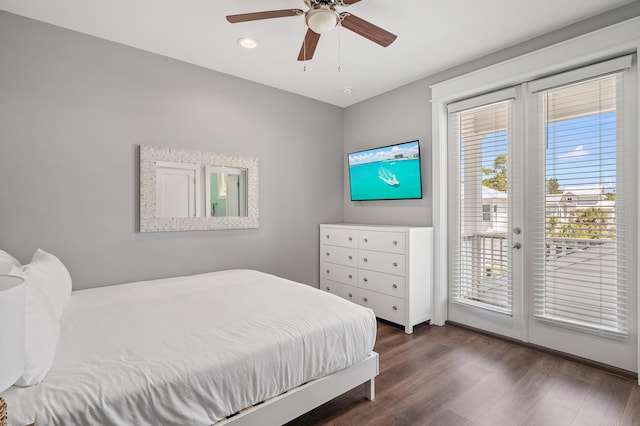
{"points": [[432, 36]]}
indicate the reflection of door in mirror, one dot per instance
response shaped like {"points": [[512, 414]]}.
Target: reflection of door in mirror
{"points": [[177, 189], [233, 198], [225, 191]]}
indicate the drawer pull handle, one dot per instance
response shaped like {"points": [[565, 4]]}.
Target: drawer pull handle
{"points": [[395, 264], [350, 276], [350, 257], [365, 299], [366, 241], [327, 271], [365, 279], [328, 236], [328, 254], [328, 288], [395, 286], [350, 295], [350, 239], [365, 260], [395, 243], [395, 308]]}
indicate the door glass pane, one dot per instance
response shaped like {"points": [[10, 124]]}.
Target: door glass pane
{"points": [[581, 283], [481, 268]]}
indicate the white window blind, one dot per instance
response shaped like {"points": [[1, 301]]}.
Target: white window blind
{"points": [[580, 257], [480, 262]]}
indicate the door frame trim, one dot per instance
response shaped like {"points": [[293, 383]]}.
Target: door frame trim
{"points": [[592, 47]]}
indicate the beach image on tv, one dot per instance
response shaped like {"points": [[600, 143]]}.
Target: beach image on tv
{"points": [[387, 173]]}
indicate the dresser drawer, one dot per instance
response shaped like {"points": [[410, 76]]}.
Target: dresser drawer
{"points": [[339, 237], [340, 273], [386, 307], [345, 291], [340, 255], [392, 242], [393, 285], [388, 263]]}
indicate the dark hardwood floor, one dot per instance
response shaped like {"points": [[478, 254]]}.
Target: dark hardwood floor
{"points": [[453, 376]]}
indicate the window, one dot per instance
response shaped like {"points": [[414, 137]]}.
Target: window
{"points": [[480, 136], [581, 260], [486, 212]]}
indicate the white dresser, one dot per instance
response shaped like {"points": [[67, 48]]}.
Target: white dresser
{"points": [[386, 268]]}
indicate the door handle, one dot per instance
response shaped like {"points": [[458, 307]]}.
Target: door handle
{"points": [[517, 246]]}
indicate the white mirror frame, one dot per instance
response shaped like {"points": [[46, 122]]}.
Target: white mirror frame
{"points": [[149, 222]]}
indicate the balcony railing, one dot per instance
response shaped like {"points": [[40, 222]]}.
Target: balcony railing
{"points": [[559, 247], [485, 270], [573, 267]]}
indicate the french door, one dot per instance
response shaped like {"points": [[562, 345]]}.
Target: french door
{"points": [[484, 147], [542, 239]]}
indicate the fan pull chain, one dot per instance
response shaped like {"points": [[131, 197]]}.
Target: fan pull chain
{"points": [[304, 47], [339, 47]]}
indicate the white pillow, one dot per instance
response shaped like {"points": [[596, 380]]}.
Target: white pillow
{"points": [[50, 276], [42, 331], [6, 258]]}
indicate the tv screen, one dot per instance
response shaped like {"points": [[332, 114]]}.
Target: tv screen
{"points": [[386, 173]]}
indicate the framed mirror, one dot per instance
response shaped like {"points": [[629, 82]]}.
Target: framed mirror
{"points": [[184, 190]]}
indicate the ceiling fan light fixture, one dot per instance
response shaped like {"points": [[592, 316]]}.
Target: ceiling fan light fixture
{"points": [[322, 20]]}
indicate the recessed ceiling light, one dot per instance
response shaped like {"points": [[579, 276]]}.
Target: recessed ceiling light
{"points": [[347, 90], [248, 43]]}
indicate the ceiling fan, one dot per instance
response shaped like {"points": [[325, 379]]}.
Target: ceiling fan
{"points": [[322, 17]]}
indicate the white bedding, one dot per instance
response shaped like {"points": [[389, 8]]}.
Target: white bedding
{"points": [[190, 350]]}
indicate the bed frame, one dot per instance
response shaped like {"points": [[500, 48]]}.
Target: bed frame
{"points": [[296, 402]]}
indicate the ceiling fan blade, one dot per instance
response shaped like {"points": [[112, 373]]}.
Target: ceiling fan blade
{"points": [[308, 46], [255, 16], [367, 29], [347, 2]]}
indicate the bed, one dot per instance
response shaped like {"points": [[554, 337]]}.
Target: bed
{"points": [[231, 347]]}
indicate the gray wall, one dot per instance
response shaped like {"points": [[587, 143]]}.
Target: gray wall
{"points": [[73, 110], [401, 115], [405, 114]]}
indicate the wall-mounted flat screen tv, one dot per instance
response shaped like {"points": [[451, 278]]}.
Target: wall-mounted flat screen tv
{"points": [[387, 173]]}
